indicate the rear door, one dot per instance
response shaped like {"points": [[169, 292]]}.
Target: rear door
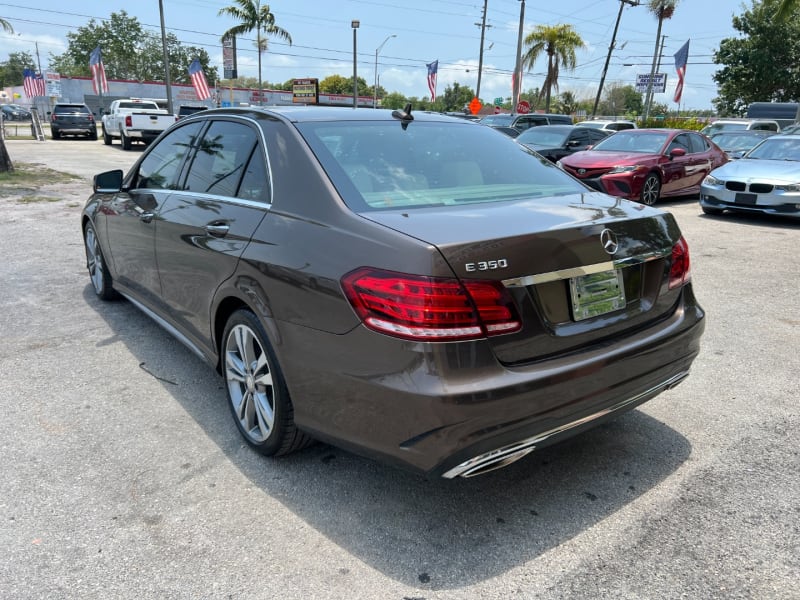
{"points": [[205, 226]]}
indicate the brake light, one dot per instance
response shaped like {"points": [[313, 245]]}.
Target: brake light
{"points": [[422, 308], [679, 271], [128, 121]]}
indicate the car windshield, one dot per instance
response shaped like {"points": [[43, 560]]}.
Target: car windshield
{"points": [[716, 127], [776, 148], [388, 165], [592, 124], [542, 136], [645, 142], [736, 141]]}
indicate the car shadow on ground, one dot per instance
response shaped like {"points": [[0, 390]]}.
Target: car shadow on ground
{"points": [[431, 534]]}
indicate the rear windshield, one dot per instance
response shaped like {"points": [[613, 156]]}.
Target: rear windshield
{"points": [[380, 166], [71, 108]]}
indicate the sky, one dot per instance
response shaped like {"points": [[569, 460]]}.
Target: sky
{"points": [[396, 39]]}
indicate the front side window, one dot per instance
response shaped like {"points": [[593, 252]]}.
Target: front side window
{"points": [[221, 158], [161, 167]]}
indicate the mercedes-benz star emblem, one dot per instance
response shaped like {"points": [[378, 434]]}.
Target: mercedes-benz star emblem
{"points": [[609, 241]]}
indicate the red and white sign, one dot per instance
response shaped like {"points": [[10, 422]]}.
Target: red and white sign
{"points": [[523, 107]]}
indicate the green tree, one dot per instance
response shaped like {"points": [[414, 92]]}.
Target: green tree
{"points": [[129, 52], [760, 65], [394, 100], [11, 70], [252, 15], [621, 100], [336, 84], [455, 97], [6, 26], [786, 8], [559, 43]]}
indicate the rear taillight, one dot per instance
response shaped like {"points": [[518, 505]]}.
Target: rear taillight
{"points": [[430, 308], [91, 118], [679, 272], [128, 121]]}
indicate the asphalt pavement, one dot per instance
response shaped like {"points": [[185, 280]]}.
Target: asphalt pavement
{"points": [[122, 474]]}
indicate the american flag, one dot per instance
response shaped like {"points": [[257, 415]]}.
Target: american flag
{"points": [[433, 68], [99, 81], [33, 83], [681, 58], [199, 80]]}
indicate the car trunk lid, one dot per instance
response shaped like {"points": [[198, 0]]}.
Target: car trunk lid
{"points": [[574, 264]]}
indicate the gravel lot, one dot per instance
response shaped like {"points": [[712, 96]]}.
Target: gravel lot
{"points": [[122, 474]]}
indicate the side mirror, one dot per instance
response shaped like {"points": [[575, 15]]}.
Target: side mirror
{"points": [[677, 152], [109, 182]]}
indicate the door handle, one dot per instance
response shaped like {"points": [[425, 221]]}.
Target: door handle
{"points": [[217, 229]]}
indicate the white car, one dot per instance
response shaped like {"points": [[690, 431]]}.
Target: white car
{"points": [[766, 179], [741, 125], [607, 125]]}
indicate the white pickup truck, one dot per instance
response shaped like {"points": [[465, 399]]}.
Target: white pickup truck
{"points": [[134, 120]]}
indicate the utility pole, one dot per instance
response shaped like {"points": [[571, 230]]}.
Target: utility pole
{"points": [[622, 4], [649, 95], [167, 81], [657, 64], [483, 26], [518, 68]]}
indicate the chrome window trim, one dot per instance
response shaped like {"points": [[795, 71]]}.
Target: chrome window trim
{"points": [[526, 280]]}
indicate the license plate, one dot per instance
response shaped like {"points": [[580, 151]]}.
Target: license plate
{"points": [[748, 199], [597, 294]]}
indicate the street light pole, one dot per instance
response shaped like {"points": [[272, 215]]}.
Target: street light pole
{"points": [[375, 87], [354, 24]]}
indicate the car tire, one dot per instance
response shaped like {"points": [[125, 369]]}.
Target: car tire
{"points": [[56, 135], [257, 393], [106, 138], [651, 190], [99, 275], [712, 211], [126, 141], [93, 135]]}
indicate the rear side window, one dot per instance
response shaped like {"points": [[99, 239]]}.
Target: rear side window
{"points": [[221, 159]]}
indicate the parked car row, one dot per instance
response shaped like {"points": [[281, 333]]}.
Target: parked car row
{"points": [[15, 112]]}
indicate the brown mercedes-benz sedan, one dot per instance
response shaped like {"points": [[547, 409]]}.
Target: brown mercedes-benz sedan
{"points": [[409, 286]]}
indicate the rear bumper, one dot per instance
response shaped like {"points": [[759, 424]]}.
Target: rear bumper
{"points": [[452, 410]]}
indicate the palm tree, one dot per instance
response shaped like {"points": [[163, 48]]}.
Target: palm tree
{"points": [[785, 8], [559, 42], [251, 15], [662, 9], [6, 26]]}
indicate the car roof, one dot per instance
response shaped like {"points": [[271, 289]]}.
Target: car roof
{"points": [[300, 114]]}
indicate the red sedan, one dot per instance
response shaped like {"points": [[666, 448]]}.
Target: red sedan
{"points": [[646, 164]]}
